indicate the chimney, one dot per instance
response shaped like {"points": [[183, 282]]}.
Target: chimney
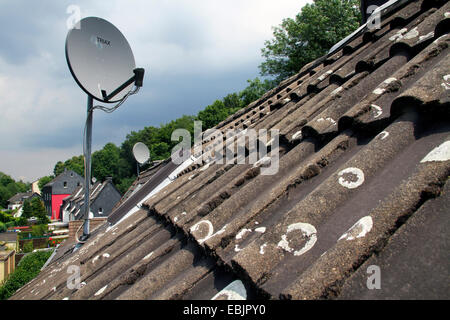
{"points": [[368, 6]]}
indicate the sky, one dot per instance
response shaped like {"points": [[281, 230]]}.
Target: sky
{"points": [[194, 52]]}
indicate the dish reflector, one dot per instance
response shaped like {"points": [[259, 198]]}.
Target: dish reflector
{"points": [[99, 58], [141, 153]]}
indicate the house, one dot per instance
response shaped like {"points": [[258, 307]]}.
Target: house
{"points": [[59, 188], [362, 185], [35, 187], [104, 197], [7, 264], [9, 241], [16, 202]]}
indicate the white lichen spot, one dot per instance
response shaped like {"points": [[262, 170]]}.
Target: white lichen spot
{"points": [[377, 111], [325, 75], [99, 292], [234, 291], [379, 91], [66, 298], [426, 37], [183, 213], [106, 255], [261, 248], [351, 178], [447, 15], [307, 230], [241, 233], [446, 83], [286, 100], [399, 35], [359, 229], [82, 284], [236, 248], [441, 153], [297, 135], [383, 135], [148, 256], [209, 233], [382, 89], [336, 91], [95, 259], [261, 230], [331, 120], [175, 219], [414, 33]]}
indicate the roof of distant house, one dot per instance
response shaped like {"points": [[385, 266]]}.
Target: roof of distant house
{"points": [[8, 236]]}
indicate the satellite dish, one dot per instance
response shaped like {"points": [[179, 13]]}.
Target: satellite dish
{"points": [[141, 153], [100, 59], [102, 64]]}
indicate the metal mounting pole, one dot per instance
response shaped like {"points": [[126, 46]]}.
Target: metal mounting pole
{"points": [[87, 166]]}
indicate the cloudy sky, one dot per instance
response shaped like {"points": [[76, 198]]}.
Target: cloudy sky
{"points": [[194, 52]]}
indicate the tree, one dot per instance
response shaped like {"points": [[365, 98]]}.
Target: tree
{"points": [[28, 268], [75, 163], [309, 36], [27, 210], [9, 187], [254, 90], [105, 162], [44, 180], [38, 208]]}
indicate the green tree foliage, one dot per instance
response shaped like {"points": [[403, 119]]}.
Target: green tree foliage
{"points": [[309, 36], [255, 89], [44, 180], [39, 230], [28, 268], [9, 187], [38, 209], [106, 162], [7, 220], [75, 163], [28, 246], [27, 210]]}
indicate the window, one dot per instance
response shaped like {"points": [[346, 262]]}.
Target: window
{"points": [[65, 184], [100, 210]]}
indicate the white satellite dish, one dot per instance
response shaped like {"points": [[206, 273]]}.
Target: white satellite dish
{"points": [[100, 59], [141, 153], [102, 64]]}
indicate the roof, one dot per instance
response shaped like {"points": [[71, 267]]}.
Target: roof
{"points": [[66, 174], [362, 179], [4, 255], [8, 236], [19, 197]]}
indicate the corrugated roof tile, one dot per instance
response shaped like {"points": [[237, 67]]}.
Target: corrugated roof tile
{"points": [[364, 144]]}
